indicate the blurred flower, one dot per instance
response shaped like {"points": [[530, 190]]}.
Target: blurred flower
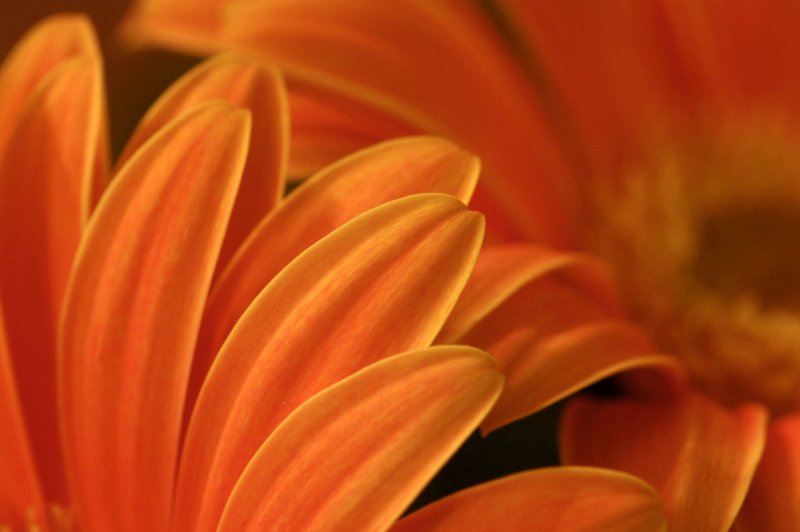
{"points": [[183, 349], [659, 137]]}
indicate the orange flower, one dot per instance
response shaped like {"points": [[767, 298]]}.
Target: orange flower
{"points": [[659, 137], [182, 349]]}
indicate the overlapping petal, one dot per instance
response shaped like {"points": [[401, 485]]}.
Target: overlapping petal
{"points": [[565, 499], [427, 63], [54, 81], [132, 312], [699, 456], [361, 450], [773, 502], [351, 186], [398, 267], [243, 82]]}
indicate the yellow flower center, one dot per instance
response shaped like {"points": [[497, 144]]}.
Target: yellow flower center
{"points": [[705, 239]]}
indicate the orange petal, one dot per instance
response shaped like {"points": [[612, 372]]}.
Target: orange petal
{"points": [[190, 27], [699, 456], [55, 39], [434, 65], [773, 502], [501, 271], [21, 502], [379, 174], [50, 176], [540, 371], [354, 456], [326, 129], [245, 83], [132, 312], [567, 499], [381, 284]]}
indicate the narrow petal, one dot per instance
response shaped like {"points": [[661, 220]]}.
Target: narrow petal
{"points": [[433, 65], [55, 39], [21, 501], [559, 499], [326, 129], [132, 312], [381, 284], [542, 371], [360, 451], [501, 271], [189, 27], [247, 83], [773, 502], [699, 456], [49, 178], [367, 179]]}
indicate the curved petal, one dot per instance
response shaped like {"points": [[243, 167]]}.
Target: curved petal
{"points": [[50, 176], [381, 284], [699, 456], [246, 83], [361, 450], [503, 270], [21, 501], [540, 371], [382, 173], [558, 499], [433, 65], [773, 502], [132, 312], [51, 41]]}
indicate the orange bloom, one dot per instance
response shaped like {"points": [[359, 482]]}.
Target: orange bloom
{"points": [[183, 349], [657, 137]]}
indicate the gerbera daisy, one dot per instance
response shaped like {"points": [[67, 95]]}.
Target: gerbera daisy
{"points": [[143, 388], [658, 136]]}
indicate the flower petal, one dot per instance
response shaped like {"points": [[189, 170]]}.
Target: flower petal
{"points": [[51, 41], [50, 176], [21, 501], [773, 502], [381, 284], [540, 371], [361, 450], [501, 271], [382, 173], [566, 499], [132, 312], [699, 456], [247, 83], [433, 65]]}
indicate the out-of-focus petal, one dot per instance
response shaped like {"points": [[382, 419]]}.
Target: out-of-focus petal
{"points": [[773, 502], [361, 450], [433, 65], [542, 371], [21, 502], [326, 128], [55, 39], [699, 456], [190, 27], [247, 83], [501, 271], [51, 173], [381, 284], [132, 312], [382, 173], [559, 499]]}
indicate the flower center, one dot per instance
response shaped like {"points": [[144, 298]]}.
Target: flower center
{"points": [[705, 239]]}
